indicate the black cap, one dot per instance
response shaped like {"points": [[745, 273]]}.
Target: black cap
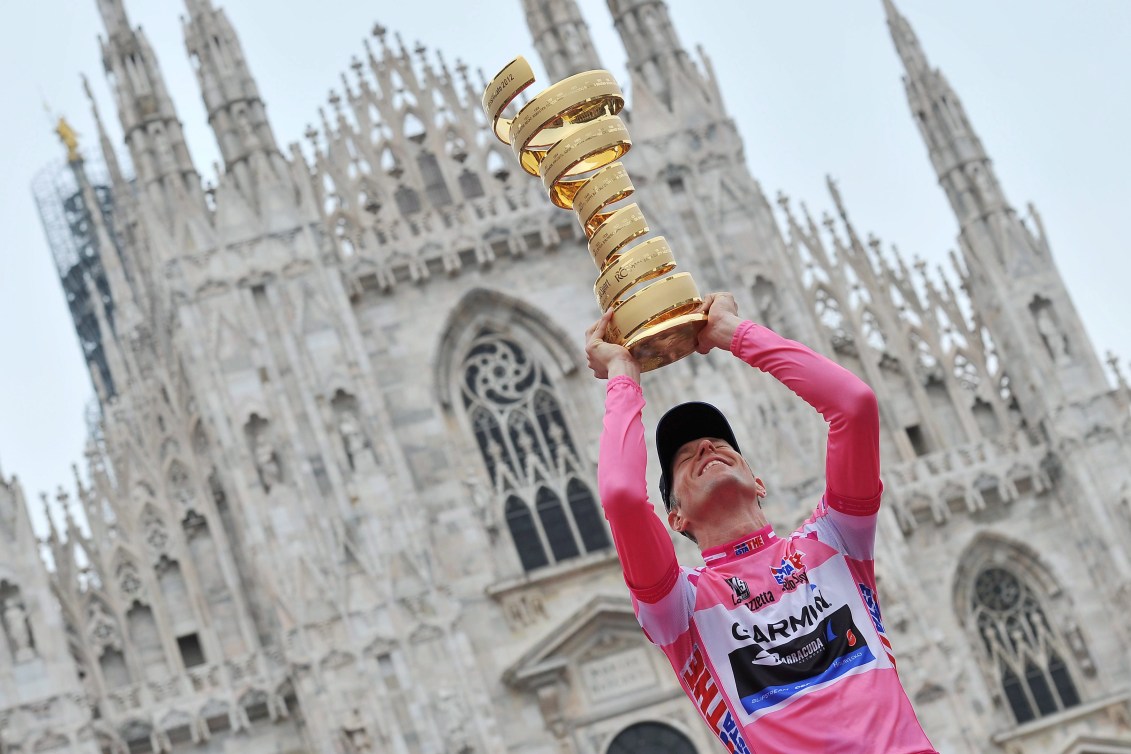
{"points": [[682, 424]]}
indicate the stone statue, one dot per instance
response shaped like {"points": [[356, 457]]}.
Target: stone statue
{"points": [[15, 620], [653, 26], [166, 159], [69, 138], [357, 447], [247, 130], [1055, 340], [180, 486], [481, 503], [454, 722], [101, 629], [267, 462], [355, 736]]}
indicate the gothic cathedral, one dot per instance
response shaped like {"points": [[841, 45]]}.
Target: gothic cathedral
{"points": [[339, 495]]}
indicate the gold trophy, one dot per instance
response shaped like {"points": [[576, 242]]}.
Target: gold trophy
{"points": [[571, 136]]}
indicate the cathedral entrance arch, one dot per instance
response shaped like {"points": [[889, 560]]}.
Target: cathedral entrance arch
{"points": [[646, 738]]}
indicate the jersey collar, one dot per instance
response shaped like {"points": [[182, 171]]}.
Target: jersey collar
{"points": [[740, 548]]}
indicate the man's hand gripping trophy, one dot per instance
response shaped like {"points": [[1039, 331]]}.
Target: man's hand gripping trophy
{"points": [[609, 359]]}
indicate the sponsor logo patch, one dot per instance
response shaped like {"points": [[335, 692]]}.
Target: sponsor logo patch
{"points": [[701, 687], [765, 677], [791, 572], [748, 546], [872, 602], [740, 589]]}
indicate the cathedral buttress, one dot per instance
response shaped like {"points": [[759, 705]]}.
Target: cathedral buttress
{"points": [[236, 112], [666, 82], [168, 180], [1013, 280], [561, 37]]}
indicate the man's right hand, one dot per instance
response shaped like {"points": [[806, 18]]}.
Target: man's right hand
{"points": [[606, 359]]}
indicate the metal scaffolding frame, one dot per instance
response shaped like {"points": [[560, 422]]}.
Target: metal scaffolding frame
{"points": [[67, 222]]}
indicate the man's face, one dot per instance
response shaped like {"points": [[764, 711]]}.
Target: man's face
{"points": [[710, 469]]}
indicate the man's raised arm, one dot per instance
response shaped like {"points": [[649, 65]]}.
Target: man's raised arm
{"points": [[642, 541], [852, 464]]}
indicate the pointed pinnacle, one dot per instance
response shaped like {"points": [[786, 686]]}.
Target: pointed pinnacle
{"points": [[78, 478], [891, 11], [47, 511]]}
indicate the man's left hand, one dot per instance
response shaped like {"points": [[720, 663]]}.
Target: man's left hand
{"points": [[722, 321]]}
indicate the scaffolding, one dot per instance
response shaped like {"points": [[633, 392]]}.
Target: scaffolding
{"points": [[67, 221]]}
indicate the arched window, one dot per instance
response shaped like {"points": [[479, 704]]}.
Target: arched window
{"points": [[529, 452], [520, 522], [585, 514], [503, 388], [408, 201], [435, 187], [562, 542], [647, 738], [470, 185], [1022, 648]]}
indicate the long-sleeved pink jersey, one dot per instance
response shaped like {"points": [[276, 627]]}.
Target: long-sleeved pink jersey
{"points": [[778, 642]]}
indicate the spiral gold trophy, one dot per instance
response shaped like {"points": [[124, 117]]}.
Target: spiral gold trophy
{"points": [[571, 136]]}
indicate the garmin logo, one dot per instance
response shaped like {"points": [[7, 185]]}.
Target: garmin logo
{"points": [[784, 628]]}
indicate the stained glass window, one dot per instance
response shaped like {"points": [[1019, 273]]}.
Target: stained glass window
{"points": [[1021, 645], [530, 455]]}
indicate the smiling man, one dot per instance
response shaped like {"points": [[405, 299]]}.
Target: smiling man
{"points": [[778, 642]]}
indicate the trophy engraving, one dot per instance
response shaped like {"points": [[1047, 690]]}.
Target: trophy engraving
{"points": [[571, 136]]}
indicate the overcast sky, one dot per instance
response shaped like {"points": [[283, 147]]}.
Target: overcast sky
{"points": [[813, 84]]}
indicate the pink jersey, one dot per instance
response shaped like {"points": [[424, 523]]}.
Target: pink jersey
{"points": [[778, 642]]}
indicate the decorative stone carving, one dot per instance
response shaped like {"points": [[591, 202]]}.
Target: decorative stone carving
{"points": [[263, 451], [354, 734], [156, 537], [455, 721], [102, 630], [1055, 341], [523, 610], [358, 451], [482, 505], [1076, 643], [617, 674], [128, 580], [180, 484], [19, 632]]}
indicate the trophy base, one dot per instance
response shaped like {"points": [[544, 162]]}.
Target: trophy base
{"points": [[665, 342]]}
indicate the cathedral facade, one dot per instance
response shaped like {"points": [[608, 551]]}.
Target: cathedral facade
{"points": [[340, 496]]}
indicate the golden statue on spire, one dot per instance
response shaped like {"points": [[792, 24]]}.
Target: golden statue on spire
{"points": [[69, 138]]}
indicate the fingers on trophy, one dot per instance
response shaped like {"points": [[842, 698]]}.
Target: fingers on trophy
{"points": [[571, 136]]}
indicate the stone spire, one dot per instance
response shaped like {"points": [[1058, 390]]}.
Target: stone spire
{"points": [[109, 154], [663, 74], [561, 37], [231, 97], [152, 131], [1013, 279], [134, 266], [906, 43], [956, 152]]}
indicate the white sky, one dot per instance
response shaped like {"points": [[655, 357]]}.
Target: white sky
{"points": [[813, 84]]}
